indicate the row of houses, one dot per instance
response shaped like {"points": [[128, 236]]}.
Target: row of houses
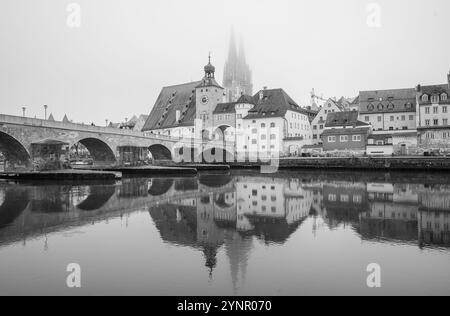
{"points": [[381, 122]]}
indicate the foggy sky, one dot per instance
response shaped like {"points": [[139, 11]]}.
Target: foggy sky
{"points": [[125, 51]]}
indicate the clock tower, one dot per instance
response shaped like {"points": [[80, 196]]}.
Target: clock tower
{"points": [[208, 94]]}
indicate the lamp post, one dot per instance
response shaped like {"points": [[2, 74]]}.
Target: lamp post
{"points": [[24, 108], [45, 110]]}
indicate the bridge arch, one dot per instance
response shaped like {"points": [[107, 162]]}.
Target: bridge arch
{"points": [[158, 187], [160, 152], [14, 151], [99, 150], [12, 203], [97, 198]]}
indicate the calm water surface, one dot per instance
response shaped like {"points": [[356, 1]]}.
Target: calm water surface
{"points": [[299, 233]]}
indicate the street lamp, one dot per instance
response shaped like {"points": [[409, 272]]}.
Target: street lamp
{"points": [[45, 109], [24, 108]]}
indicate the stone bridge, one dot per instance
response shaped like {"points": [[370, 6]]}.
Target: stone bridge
{"points": [[20, 136]]}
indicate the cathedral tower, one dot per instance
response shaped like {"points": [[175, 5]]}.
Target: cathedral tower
{"points": [[237, 78]]}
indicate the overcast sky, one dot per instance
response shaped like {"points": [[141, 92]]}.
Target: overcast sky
{"points": [[115, 63]]}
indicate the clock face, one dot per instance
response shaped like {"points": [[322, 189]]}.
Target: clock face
{"points": [[205, 100]]}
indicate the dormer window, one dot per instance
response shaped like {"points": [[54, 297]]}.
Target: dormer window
{"points": [[435, 99], [380, 107], [370, 107], [444, 96], [425, 98]]}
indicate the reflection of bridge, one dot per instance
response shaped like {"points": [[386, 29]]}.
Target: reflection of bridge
{"points": [[19, 135], [29, 211]]}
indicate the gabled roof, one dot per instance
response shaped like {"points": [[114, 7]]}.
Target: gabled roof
{"points": [[434, 89], [344, 119], [225, 108], [171, 99], [246, 99], [51, 118], [387, 101], [274, 103]]}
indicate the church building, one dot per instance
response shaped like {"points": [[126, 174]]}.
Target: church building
{"points": [[178, 107]]}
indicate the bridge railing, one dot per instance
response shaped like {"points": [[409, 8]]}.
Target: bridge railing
{"points": [[35, 122]]}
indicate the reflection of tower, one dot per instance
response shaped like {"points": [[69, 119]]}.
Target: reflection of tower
{"points": [[237, 78], [238, 250]]}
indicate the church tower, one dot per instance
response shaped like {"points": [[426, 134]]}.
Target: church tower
{"points": [[208, 94], [237, 78]]}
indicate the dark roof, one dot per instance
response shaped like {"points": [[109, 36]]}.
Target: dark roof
{"points": [[436, 89], [345, 131], [225, 108], [209, 82], [381, 101], [171, 99], [247, 99], [344, 119], [274, 103]]}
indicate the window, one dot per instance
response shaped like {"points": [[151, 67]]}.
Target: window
{"points": [[331, 139], [367, 118], [380, 118], [435, 122], [263, 125], [425, 98], [427, 122], [321, 127], [254, 131], [411, 117], [444, 109], [315, 127], [392, 118], [403, 117], [272, 125], [263, 137], [356, 138], [254, 142], [444, 97], [427, 110], [445, 122], [435, 110], [435, 99], [273, 136], [344, 138]]}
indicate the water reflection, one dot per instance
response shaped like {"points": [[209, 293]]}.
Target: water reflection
{"points": [[234, 213]]}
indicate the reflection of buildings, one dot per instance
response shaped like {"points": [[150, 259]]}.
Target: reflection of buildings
{"points": [[392, 213], [229, 218], [434, 215]]}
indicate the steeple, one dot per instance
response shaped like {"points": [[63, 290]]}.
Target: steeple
{"points": [[232, 53], [210, 69]]}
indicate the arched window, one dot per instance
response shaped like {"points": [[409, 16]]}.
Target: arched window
{"points": [[272, 124], [425, 98], [444, 96], [435, 99]]}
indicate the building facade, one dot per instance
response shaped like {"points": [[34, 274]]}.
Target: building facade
{"points": [[318, 123], [345, 135], [433, 117], [274, 126]]}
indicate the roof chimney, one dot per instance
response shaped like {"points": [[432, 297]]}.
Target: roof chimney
{"points": [[265, 88], [418, 88]]}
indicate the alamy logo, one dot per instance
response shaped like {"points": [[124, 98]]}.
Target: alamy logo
{"points": [[74, 278], [374, 17], [374, 278], [74, 17]]}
